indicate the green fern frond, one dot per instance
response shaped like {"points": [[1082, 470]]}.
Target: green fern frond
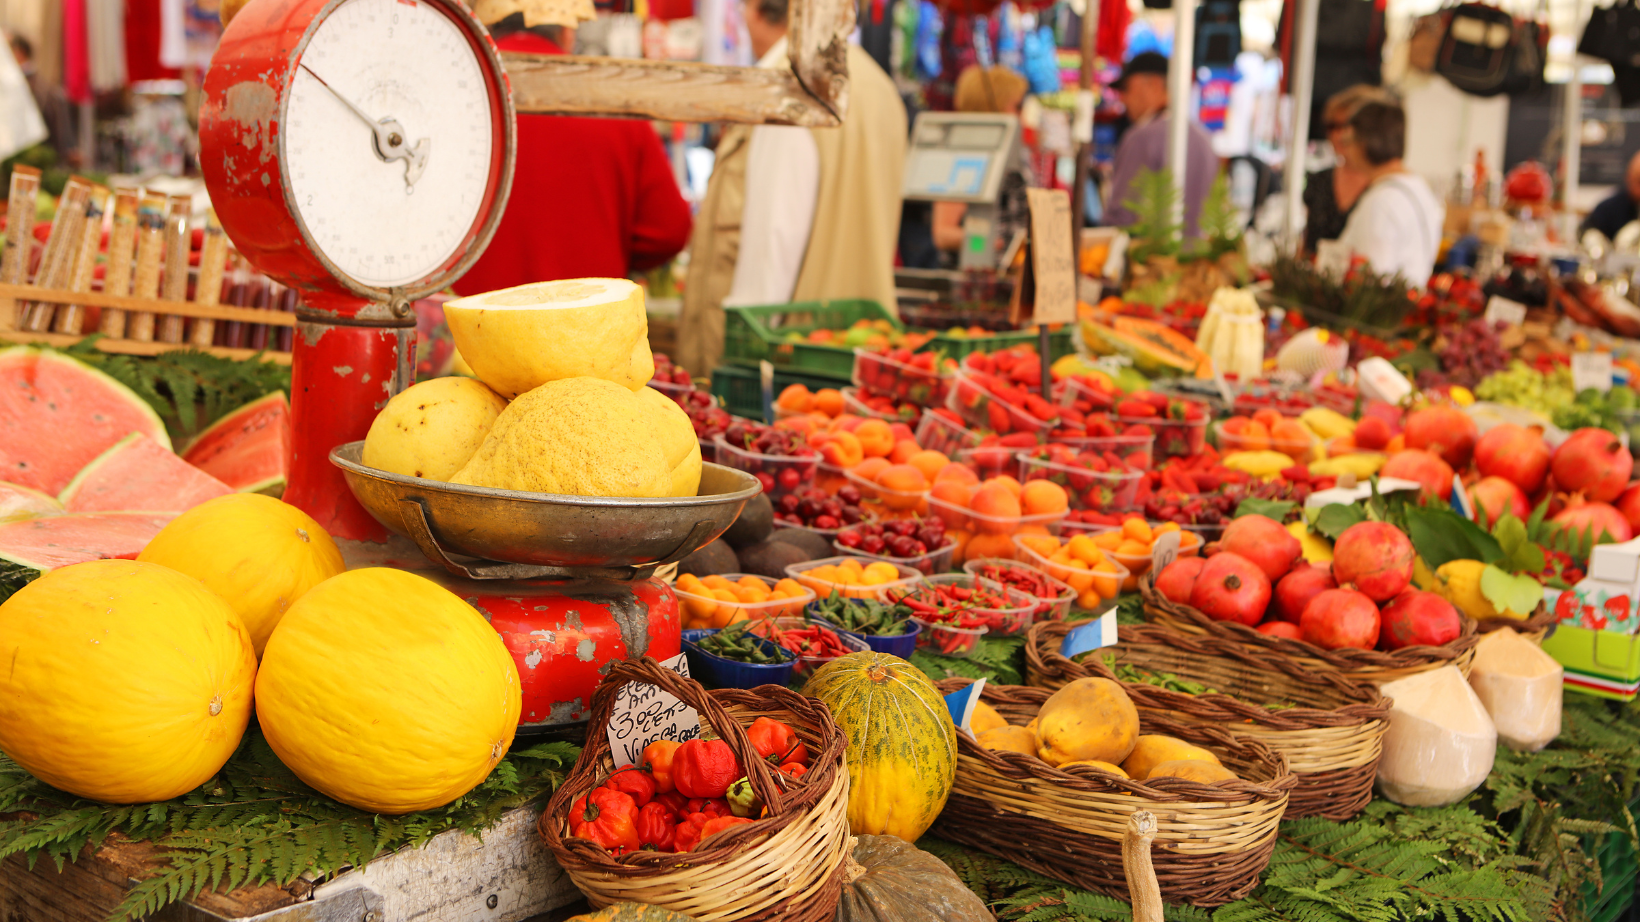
{"points": [[1154, 201]]}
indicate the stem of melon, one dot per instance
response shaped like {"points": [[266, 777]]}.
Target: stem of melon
{"points": [[1143, 890]]}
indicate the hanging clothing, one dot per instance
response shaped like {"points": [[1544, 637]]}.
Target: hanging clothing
{"points": [[591, 198], [76, 53], [142, 42], [1396, 226]]}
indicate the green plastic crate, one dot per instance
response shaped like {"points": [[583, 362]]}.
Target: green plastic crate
{"points": [[1619, 871], [957, 347], [756, 334], [741, 389]]}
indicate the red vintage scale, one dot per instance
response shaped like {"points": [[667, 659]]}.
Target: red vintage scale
{"points": [[361, 152]]}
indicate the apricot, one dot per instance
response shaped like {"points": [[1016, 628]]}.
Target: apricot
{"points": [[870, 468], [1000, 507], [1137, 529], [955, 492], [1043, 497], [795, 397], [1193, 770], [989, 544], [1268, 418], [1254, 437], [1034, 530], [876, 439], [929, 462], [1089, 719], [960, 473], [1006, 481], [960, 538], [903, 451], [1152, 749], [828, 400], [1009, 738]]}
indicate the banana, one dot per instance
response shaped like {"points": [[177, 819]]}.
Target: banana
{"points": [[1362, 464], [1258, 463], [1329, 424], [1315, 549]]}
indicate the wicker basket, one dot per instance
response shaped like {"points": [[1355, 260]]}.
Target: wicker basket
{"points": [[1359, 665], [788, 866], [1332, 740], [1534, 628], [1212, 841]]}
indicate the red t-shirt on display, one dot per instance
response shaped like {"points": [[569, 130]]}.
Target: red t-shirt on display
{"points": [[591, 198]]}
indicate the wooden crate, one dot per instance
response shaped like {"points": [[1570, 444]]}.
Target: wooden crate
{"points": [[10, 295], [508, 877]]}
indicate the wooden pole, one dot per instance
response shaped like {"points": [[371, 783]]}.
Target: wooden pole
{"points": [[1086, 102], [1301, 89], [1180, 72]]}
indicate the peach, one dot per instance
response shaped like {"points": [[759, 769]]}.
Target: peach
{"points": [[875, 438], [929, 462], [1268, 418], [795, 397], [828, 400], [1006, 481], [905, 482], [961, 473], [999, 505], [904, 450], [953, 491], [990, 545], [1042, 497], [871, 467]]}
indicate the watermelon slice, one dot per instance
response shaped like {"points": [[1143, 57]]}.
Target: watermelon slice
{"points": [[138, 474], [249, 448], [57, 414], [34, 547], [22, 503]]}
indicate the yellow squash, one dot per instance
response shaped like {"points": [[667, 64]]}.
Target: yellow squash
{"points": [[127, 682], [385, 691]]}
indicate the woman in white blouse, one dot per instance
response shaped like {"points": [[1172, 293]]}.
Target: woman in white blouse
{"points": [[1396, 223]]}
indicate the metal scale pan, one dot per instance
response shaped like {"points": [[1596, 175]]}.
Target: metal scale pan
{"points": [[517, 535]]}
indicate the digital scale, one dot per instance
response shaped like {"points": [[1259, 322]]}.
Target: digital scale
{"points": [[964, 157]]}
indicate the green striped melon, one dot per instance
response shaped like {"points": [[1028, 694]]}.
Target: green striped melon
{"points": [[902, 746]]}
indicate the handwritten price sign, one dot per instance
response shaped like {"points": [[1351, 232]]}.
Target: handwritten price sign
{"points": [[644, 714]]}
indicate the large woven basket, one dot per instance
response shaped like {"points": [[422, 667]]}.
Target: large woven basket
{"points": [[1534, 628], [1359, 665], [788, 866], [1332, 739], [1212, 841]]}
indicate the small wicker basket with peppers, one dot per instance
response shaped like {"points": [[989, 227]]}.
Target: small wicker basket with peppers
{"points": [[751, 825]]}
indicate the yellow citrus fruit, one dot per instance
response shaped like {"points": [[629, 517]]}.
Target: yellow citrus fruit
{"points": [[677, 438], [385, 691], [518, 339], [127, 681], [432, 429], [580, 436], [259, 554]]}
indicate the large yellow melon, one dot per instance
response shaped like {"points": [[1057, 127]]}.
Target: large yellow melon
{"points": [[1087, 720], [257, 553], [126, 682], [385, 691], [580, 436], [1153, 749], [518, 339], [677, 439], [431, 429]]}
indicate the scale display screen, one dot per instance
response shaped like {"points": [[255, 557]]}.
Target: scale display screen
{"points": [[959, 156]]}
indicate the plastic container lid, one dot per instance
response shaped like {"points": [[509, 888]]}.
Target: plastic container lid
{"points": [[714, 671], [823, 588]]}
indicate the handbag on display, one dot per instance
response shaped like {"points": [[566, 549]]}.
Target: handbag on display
{"points": [[1531, 53], [1425, 43], [1478, 52]]}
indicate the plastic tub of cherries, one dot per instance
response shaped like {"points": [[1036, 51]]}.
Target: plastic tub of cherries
{"points": [[779, 458], [920, 544], [819, 511]]}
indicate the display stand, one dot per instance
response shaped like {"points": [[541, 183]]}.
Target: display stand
{"points": [[11, 295], [508, 877]]}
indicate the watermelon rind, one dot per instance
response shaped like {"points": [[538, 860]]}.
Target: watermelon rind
{"points": [[210, 442], [65, 443], [20, 502], [190, 486]]}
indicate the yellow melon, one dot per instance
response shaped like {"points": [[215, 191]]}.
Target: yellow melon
{"points": [[1193, 770], [1087, 720], [1152, 749], [385, 691], [1009, 739], [127, 682], [257, 553]]}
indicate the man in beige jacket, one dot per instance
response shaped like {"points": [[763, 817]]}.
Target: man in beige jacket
{"points": [[796, 214]]}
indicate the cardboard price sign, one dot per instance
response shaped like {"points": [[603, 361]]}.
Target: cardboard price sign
{"points": [[1591, 369], [643, 714], [1045, 289]]}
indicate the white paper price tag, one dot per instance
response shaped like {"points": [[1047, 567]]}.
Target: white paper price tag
{"points": [[1591, 369], [643, 714], [1505, 311], [1164, 551]]}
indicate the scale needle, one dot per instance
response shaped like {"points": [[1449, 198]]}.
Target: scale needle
{"points": [[388, 137]]}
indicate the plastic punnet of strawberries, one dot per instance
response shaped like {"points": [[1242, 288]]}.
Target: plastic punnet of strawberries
{"points": [[911, 377], [1004, 389], [1094, 479]]}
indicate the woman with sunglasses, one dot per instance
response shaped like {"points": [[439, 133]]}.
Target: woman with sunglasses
{"points": [[1330, 194]]}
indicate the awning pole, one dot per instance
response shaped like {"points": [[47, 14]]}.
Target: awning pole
{"points": [[1571, 127], [1179, 75], [1300, 90]]}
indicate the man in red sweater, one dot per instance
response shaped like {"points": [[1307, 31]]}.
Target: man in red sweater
{"points": [[591, 197]]}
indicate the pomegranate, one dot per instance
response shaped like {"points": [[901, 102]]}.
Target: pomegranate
{"points": [[1297, 588], [1263, 541], [1231, 588], [1592, 462], [1600, 518], [1340, 618], [1427, 469], [1374, 558], [1515, 453], [1284, 629], [1179, 578], [1629, 505], [1392, 415], [1417, 618], [1493, 496], [1372, 433], [1445, 431]]}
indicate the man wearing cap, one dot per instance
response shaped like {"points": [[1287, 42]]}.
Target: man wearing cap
{"points": [[1143, 91]]}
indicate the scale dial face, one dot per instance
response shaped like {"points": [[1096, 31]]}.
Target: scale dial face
{"points": [[387, 139]]}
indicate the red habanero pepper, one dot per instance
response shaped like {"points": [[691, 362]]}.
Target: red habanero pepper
{"points": [[687, 834], [657, 758], [776, 742], [719, 824], [605, 816], [657, 827], [633, 782], [705, 768], [675, 802], [712, 807], [793, 769]]}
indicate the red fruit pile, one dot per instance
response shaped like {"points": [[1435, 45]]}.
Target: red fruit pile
{"points": [[902, 375], [814, 508], [709, 419], [668, 373], [901, 538]]}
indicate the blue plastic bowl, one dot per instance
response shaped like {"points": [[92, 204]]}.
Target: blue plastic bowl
{"points": [[901, 645], [714, 671]]}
